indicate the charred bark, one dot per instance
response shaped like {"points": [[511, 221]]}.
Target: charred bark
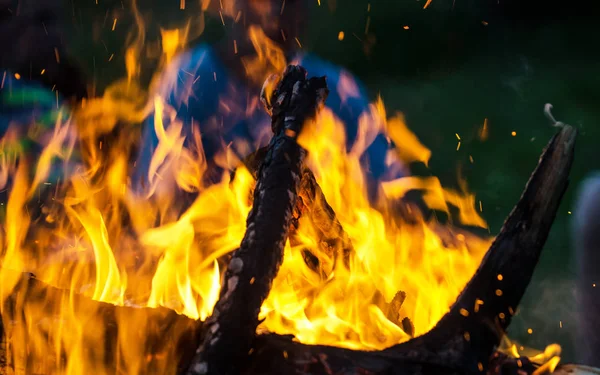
{"points": [[333, 240], [230, 331]]}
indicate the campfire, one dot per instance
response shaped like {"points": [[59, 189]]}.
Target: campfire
{"points": [[284, 266]]}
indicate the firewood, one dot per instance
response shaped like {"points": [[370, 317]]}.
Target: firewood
{"points": [[464, 340], [230, 331], [160, 322], [312, 203], [466, 337]]}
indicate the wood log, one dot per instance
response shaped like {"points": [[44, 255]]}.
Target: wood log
{"points": [[230, 331], [464, 340], [466, 337], [161, 322], [312, 204]]}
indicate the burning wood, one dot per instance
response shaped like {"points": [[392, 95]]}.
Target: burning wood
{"points": [[230, 330], [466, 337], [312, 203], [463, 341]]}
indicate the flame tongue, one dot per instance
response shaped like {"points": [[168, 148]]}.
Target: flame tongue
{"points": [[90, 231]]}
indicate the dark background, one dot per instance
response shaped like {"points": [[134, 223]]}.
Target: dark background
{"points": [[458, 63]]}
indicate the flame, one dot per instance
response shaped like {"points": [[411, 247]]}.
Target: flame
{"points": [[89, 231], [269, 58], [546, 360]]}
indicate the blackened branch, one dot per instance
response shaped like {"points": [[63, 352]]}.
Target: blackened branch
{"points": [[231, 329]]}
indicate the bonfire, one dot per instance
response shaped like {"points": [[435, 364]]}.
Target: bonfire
{"points": [[284, 266]]}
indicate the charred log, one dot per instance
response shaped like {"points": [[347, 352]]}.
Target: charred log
{"points": [[162, 321], [333, 240], [312, 204], [465, 338], [31, 293], [229, 332]]}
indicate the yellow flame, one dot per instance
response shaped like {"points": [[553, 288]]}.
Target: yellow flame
{"points": [[94, 235], [269, 58]]}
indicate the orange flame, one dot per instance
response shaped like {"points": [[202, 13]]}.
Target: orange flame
{"points": [[96, 236]]}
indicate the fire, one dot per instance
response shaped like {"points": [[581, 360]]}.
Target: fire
{"points": [[89, 230]]}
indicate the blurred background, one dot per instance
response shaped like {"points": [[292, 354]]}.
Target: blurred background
{"points": [[449, 66]]}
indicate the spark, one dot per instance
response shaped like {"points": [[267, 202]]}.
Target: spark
{"points": [[57, 55], [319, 2], [17, 76], [471, 159], [111, 57], [499, 292], [458, 146], [182, 4], [457, 136], [114, 26], [341, 36], [3, 78], [427, 4], [235, 49], [560, 323], [480, 206], [298, 42], [483, 134], [529, 330], [42, 72], [500, 277], [569, 212], [484, 23], [405, 27], [514, 133], [282, 8]]}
